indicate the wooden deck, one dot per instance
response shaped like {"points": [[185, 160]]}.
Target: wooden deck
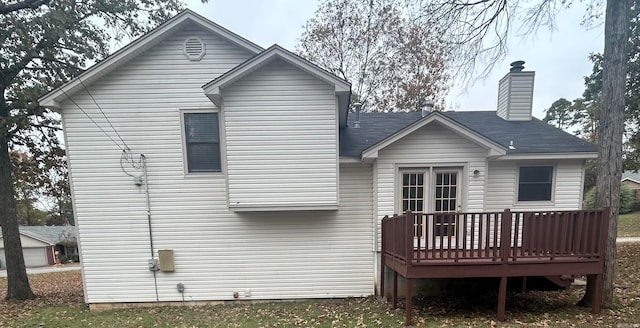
{"points": [[493, 244]]}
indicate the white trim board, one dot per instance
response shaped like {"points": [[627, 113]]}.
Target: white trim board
{"points": [[534, 156]]}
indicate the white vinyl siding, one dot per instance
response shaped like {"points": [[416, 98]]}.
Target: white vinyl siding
{"points": [[502, 186], [281, 139], [503, 97], [515, 96], [431, 146], [273, 255]]}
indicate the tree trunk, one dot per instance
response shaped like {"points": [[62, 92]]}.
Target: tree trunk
{"points": [[17, 281], [610, 130]]}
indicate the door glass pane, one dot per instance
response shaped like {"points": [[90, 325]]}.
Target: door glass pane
{"points": [[413, 192], [413, 198], [446, 201]]}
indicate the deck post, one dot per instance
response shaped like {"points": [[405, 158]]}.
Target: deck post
{"points": [[502, 298], [394, 297], [409, 235], [382, 251], [596, 298], [408, 305]]}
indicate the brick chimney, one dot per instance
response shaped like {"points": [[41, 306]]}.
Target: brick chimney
{"points": [[515, 93]]}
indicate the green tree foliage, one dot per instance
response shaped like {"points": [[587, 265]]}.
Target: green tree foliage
{"points": [[582, 115], [45, 43], [393, 60], [26, 189], [627, 199]]}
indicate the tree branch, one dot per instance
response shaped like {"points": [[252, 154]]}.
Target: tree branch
{"points": [[26, 4], [11, 72], [44, 126]]}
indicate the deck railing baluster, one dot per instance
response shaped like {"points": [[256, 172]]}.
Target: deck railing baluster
{"points": [[473, 232], [409, 234], [594, 236], [417, 232], [481, 229], [496, 220], [554, 235], [496, 237], [562, 234], [464, 237], [516, 234]]}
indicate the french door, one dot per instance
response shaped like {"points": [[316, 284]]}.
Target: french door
{"points": [[432, 190]]}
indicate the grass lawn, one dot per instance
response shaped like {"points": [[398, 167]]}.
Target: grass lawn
{"points": [[629, 225], [60, 305]]}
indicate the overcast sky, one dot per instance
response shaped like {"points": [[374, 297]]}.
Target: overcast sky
{"points": [[559, 57]]}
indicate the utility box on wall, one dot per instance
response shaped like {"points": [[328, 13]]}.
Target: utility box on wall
{"points": [[166, 260]]}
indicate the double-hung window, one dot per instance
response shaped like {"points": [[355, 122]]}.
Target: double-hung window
{"points": [[202, 140], [535, 183]]}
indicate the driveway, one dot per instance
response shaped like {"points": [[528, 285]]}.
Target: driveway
{"points": [[47, 269], [628, 240]]}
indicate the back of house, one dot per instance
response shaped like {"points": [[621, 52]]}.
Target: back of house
{"points": [[199, 159]]}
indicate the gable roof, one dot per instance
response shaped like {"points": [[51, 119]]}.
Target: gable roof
{"points": [[529, 137], [631, 176], [439, 117], [48, 234], [143, 43], [342, 88]]}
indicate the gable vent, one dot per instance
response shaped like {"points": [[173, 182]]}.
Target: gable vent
{"points": [[194, 48]]}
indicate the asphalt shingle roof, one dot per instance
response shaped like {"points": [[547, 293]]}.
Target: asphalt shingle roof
{"points": [[533, 136], [51, 234], [631, 175]]}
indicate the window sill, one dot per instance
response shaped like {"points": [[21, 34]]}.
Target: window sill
{"points": [[191, 175], [276, 208], [535, 203]]}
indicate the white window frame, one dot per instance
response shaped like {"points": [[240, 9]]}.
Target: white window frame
{"points": [[554, 178], [185, 159]]}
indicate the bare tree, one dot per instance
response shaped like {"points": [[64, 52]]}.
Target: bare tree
{"points": [[393, 61], [477, 34]]}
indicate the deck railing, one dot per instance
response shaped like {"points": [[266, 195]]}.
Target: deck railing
{"points": [[497, 236]]}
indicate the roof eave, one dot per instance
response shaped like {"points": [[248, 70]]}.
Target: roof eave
{"points": [[562, 155], [630, 179]]}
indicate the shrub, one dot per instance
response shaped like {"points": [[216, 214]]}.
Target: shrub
{"points": [[75, 258], [627, 199], [63, 259]]}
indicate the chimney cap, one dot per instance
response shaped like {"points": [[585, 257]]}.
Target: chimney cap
{"points": [[517, 66], [427, 107]]}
